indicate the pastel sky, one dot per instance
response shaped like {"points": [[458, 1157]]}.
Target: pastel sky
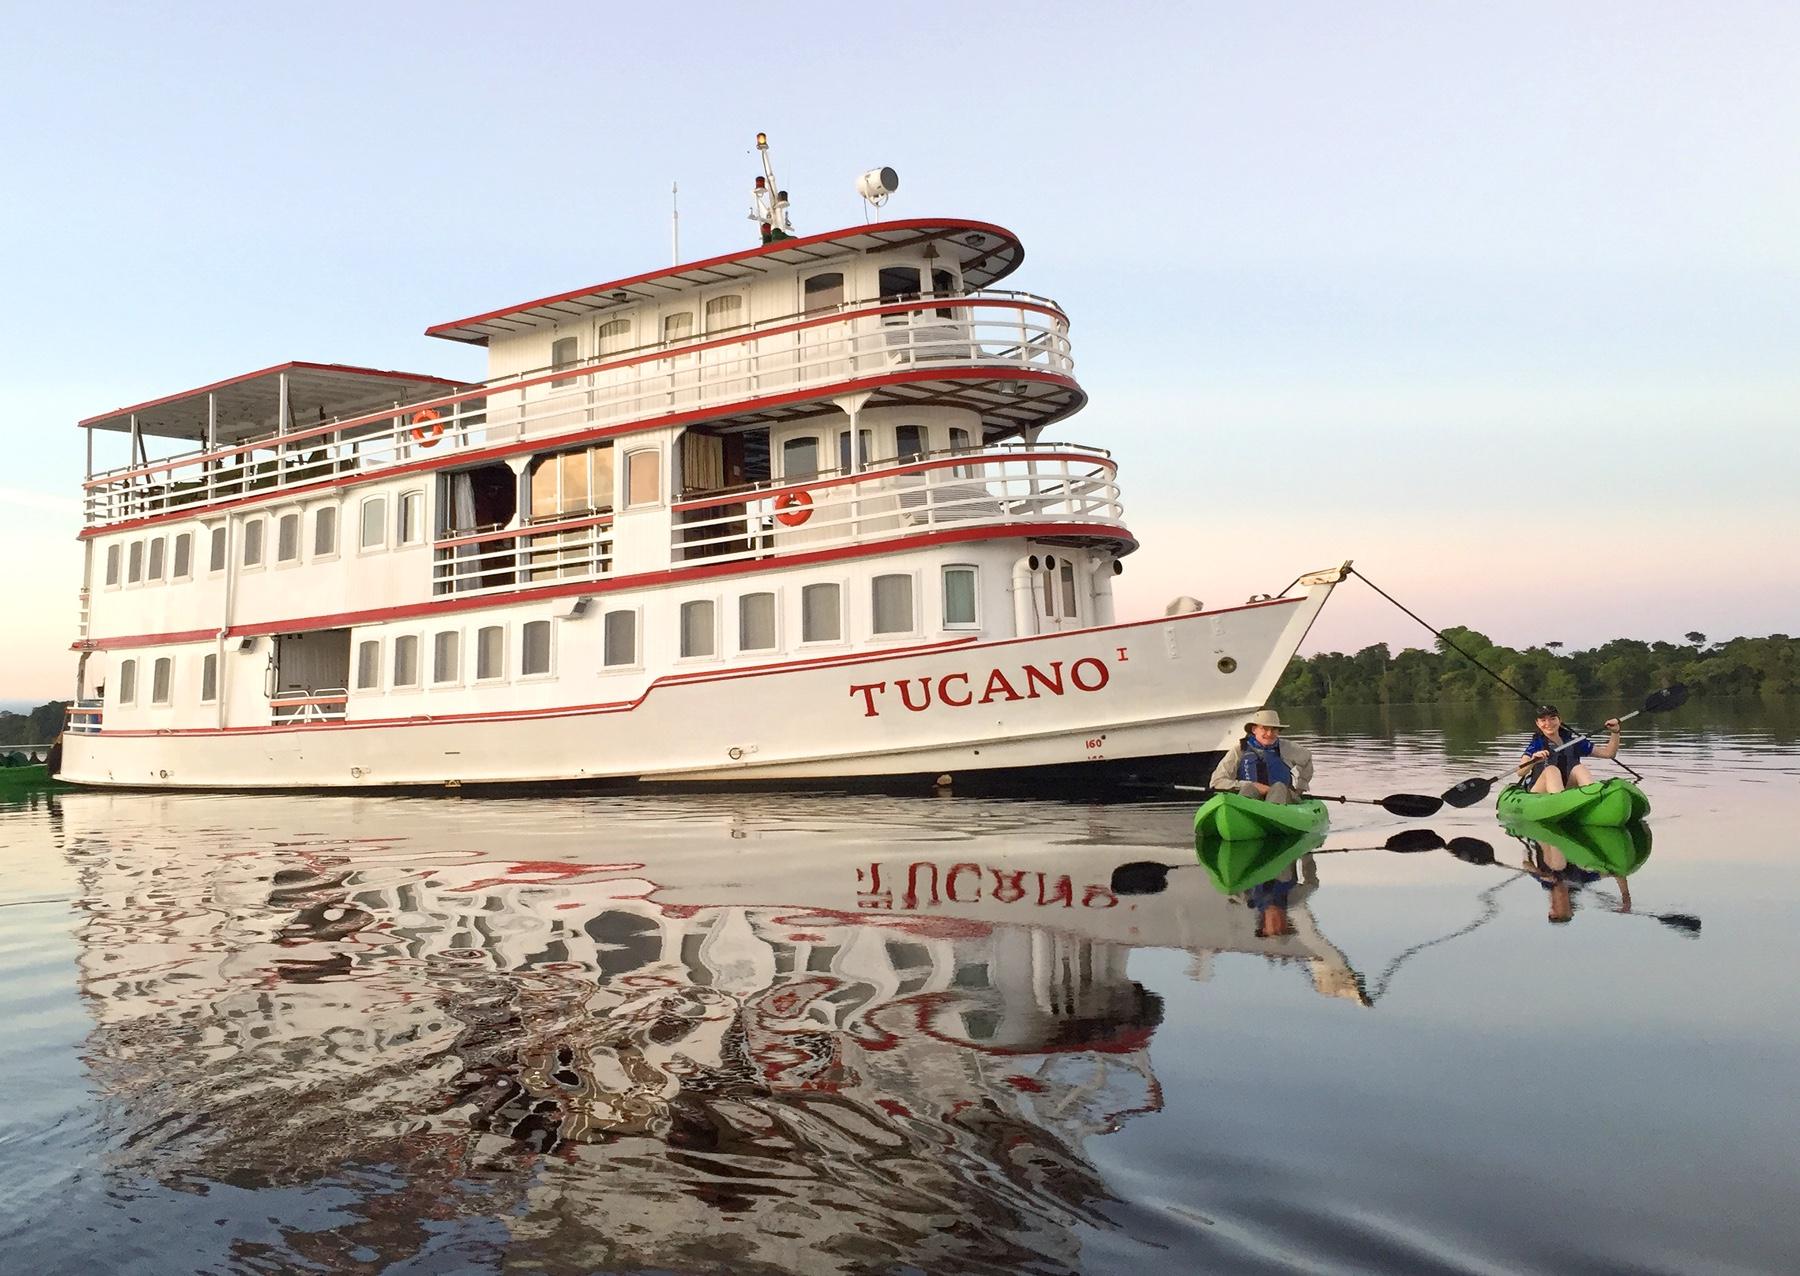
{"points": [[1501, 301]]}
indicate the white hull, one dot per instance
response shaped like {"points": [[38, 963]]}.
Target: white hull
{"points": [[1172, 686]]}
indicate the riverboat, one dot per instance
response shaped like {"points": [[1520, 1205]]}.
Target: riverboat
{"points": [[789, 514]]}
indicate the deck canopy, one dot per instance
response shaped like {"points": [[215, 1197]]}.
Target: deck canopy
{"points": [[986, 253], [250, 406]]}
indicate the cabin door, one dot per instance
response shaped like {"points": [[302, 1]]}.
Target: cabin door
{"points": [[1059, 601]]}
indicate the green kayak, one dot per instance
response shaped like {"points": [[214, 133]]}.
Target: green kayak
{"points": [[1595, 847], [1226, 817], [1609, 804], [1238, 865]]}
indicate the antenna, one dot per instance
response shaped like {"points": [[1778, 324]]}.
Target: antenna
{"points": [[768, 202], [675, 222]]}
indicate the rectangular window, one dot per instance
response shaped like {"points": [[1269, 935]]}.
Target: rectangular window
{"points": [[678, 326], [724, 312], [112, 564], [962, 441], [571, 482], [215, 554], [620, 639], [562, 355], [161, 675], [209, 678], [643, 477], [1068, 590], [756, 622], [534, 647], [898, 282], [444, 653], [325, 531], [698, 632], [412, 518], [821, 614], [253, 538], [374, 522], [613, 336], [368, 664], [865, 447], [134, 563], [128, 682], [800, 459], [406, 661], [909, 442], [184, 556], [892, 603], [823, 292], [155, 570], [287, 539], [490, 652], [959, 597]]}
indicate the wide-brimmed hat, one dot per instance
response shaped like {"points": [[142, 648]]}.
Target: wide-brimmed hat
{"points": [[1265, 718]]}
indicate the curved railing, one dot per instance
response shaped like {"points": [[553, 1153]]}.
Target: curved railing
{"points": [[1004, 332], [1065, 485]]}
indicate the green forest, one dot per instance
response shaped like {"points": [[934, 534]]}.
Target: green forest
{"points": [[1624, 668], [42, 725]]}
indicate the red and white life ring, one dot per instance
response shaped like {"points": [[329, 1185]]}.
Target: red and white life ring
{"points": [[427, 427], [793, 508]]}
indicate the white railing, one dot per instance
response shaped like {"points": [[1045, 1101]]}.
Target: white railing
{"points": [[328, 704], [84, 717], [1046, 484], [1005, 332], [559, 549]]}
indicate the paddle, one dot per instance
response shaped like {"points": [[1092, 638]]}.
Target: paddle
{"points": [[1469, 792], [1406, 805], [1148, 877]]}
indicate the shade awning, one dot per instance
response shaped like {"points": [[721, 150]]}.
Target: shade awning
{"points": [[249, 405], [986, 253]]}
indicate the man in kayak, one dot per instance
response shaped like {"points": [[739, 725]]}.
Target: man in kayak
{"points": [[1547, 769], [1263, 765]]}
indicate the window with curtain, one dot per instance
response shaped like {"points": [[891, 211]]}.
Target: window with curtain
{"points": [[325, 531], [891, 599], [613, 336], [698, 629], [368, 664], [534, 647], [756, 622], [406, 661], [677, 327], [821, 614], [959, 596], [724, 312], [619, 640], [490, 652]]}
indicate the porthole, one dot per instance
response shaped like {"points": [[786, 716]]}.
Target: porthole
{"points": [[1227, 665]]}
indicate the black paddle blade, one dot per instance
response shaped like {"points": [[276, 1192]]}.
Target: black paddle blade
{"points": [[1686, 922], [1141, 878], [1672, 697], [1467, 793], [1412, 841], [1471, 850], [1411, 806]]}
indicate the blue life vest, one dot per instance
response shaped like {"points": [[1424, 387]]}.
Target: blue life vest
{"points": [[1564, 760], [1265, 766]]}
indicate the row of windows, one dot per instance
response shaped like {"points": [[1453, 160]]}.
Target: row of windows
{"points": [[162, 680], [142, 562], [892, 610], [892, 613]]}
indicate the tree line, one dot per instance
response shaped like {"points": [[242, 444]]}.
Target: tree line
{"points": [[1623, 669], [42, 725]]}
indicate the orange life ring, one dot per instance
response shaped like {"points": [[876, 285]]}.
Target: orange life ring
{"points": [[793, 508], [427, 427]]}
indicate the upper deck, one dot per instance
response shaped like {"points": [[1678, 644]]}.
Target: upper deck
{"points": [[898, 313]]}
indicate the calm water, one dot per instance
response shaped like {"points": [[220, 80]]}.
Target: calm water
{"points": [[834, 1033]]}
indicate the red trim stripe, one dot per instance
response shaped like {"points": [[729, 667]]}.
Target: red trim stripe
{"points": [[616, 584]]}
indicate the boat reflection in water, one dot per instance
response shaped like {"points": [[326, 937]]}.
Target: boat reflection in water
{"points": [[1567, 858], [645, 1031]]}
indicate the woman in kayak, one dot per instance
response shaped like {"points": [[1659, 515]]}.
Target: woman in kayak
{"points": [[1547, 769], [1262, 766]]}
